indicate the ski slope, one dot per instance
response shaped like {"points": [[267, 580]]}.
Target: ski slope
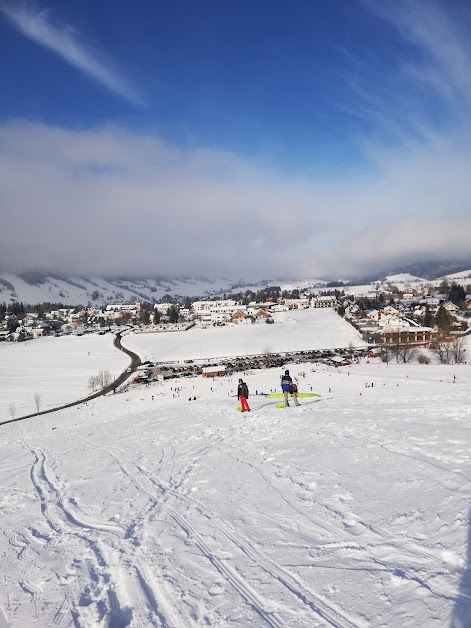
{"points": [[146, 509]]}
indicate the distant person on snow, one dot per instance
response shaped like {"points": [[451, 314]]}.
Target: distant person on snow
{"points": [[287, 387], [243, 394]]}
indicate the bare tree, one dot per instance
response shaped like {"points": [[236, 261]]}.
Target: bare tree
{"points": [[104, 378], [458, 350], [406, 353], [37, 401], [12, 410], [267, 356], [386, 354], [442, 348], [93, 382]]}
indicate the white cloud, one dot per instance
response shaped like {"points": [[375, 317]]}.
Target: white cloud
{"points": [[39, 26], [108, 200]]}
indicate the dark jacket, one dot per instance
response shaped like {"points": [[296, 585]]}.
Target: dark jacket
{"points": [[243, 391], [286, 383]]}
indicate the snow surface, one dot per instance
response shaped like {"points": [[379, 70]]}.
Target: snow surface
{"points": [[351, 510], [143, 508], [465, 274], [297, 330], [56, 368], [405, 277]]}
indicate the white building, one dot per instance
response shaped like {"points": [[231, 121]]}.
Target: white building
{"points": [[163, 308], [323, 301], [205, 308]]}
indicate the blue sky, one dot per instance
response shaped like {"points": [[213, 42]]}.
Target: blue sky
{"points": [[340, 114]]}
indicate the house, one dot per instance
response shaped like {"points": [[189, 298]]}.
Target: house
{"points": [[261, 315], [392, 310], [162, 308], [393, 321], [214, 371], [338, 360], [217, 317], [352, 310], [297, 304], [420, 336], [20, 335], [39, 332], [375, 315], [450, 307], [30, 318], [238, 317], [280, 308]]}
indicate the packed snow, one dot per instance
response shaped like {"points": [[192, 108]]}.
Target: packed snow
{"points": [[58, 369], [144, 508], [297, 330]]}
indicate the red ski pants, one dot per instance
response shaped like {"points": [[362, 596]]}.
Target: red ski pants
{"points": [[243, 404]]}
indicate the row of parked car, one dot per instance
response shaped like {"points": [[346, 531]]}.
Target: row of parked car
{"points": [[269, 360]]}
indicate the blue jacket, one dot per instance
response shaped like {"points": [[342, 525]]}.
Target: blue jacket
{"points": [[286, 383]]}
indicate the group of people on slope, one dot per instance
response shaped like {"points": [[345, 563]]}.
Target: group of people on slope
{"points": [[287, 386]]}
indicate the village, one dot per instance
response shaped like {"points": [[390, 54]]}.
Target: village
{"points": [[385, 317]]}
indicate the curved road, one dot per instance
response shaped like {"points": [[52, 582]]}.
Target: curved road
{"points": [[135, 362]]}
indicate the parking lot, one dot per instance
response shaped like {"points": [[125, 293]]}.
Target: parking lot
{"points": [[193, 368]]}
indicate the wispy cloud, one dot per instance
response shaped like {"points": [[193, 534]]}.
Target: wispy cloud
{"points": [[41, 27], [415, 80]]}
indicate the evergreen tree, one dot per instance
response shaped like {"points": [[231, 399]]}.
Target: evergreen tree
{"points": [[457, 294], [443, 319], [428, 318], [174, 313]]}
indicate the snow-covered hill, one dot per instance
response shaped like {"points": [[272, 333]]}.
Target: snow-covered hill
{"points": [[403, 278], [146, 509], [463, 276], [83, 290]]}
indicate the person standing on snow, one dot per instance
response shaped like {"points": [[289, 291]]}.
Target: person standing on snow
{"points": [[287, 387], [243, 394]]}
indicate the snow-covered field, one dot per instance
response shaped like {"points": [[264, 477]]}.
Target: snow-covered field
{"points": [[296, 330], [56, 368], [351, 510]]}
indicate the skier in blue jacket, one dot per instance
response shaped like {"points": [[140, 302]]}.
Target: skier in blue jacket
{"points": [[288, 387]]}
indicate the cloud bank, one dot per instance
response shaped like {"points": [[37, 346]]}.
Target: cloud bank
{"points": [[40, 27], [114, 202]]}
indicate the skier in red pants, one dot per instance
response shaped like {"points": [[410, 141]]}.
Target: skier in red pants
{"points": [[243, 394]]}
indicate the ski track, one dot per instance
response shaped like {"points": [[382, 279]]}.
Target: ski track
{"points": [[320, 605], [102, 599], [23, 547], [239, 584], [410, 548], [311, 601]]}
